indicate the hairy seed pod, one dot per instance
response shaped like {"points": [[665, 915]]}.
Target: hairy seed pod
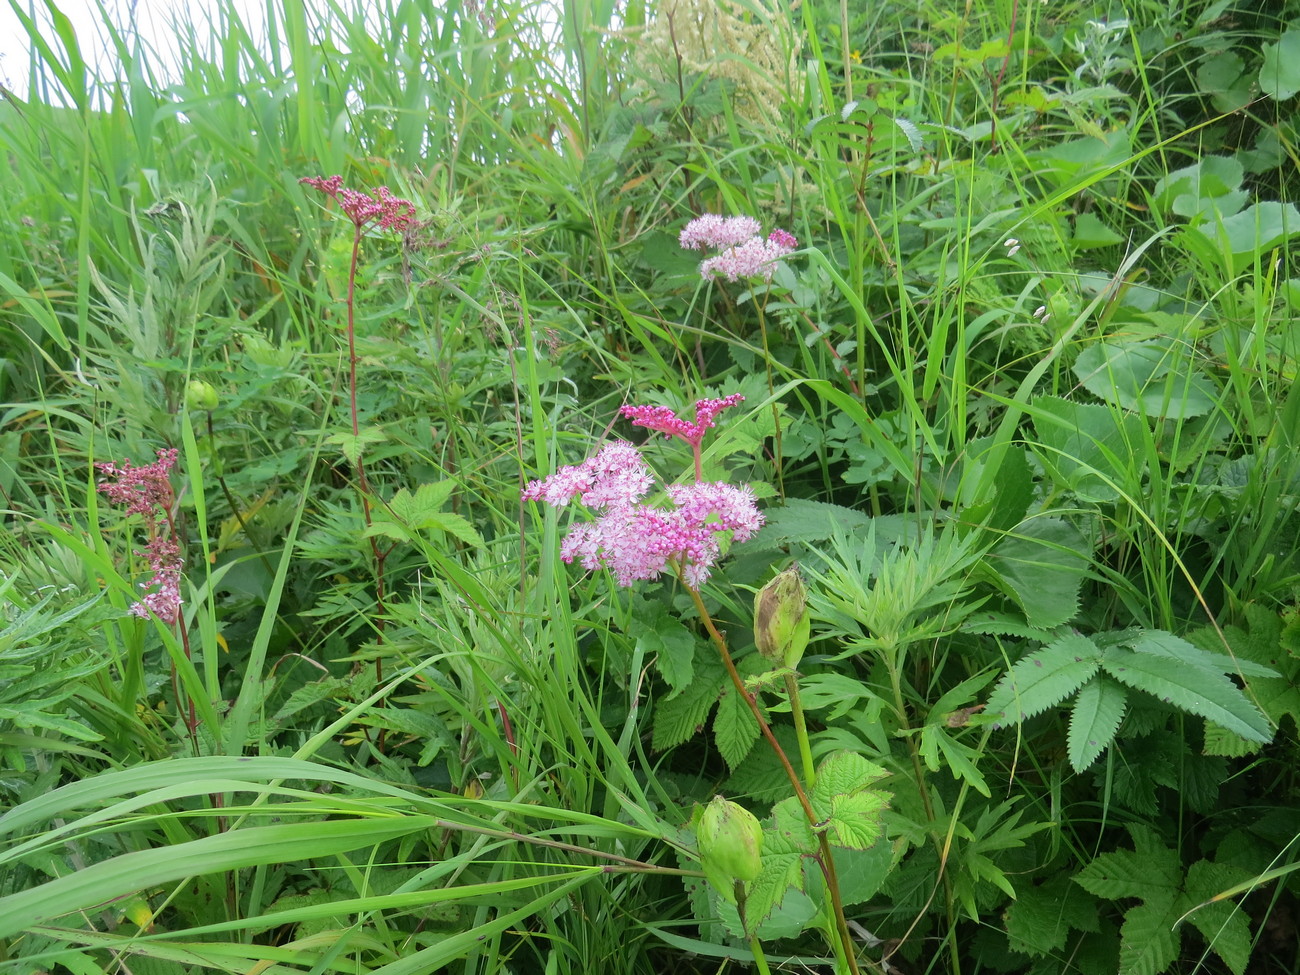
{"points": [[730, 839], [781, 619]]}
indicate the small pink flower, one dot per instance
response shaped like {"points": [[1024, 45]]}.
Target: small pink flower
{"points": [[392, 212], [711, 231], [755, 258], [783, 239], [142, 489], [616, 476]]}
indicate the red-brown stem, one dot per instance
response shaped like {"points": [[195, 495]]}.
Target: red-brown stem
{"points": [[363, 485], [825, 860]]}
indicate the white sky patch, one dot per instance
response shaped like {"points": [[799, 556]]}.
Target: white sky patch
{"points": [[150, 20]]}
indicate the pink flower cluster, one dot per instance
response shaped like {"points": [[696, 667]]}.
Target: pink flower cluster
{"points": [[147, 491], [392, 212], [638, 541], [665, 421], [742, 251]]}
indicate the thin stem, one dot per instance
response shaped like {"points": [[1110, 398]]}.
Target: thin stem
{"points": [[363, 485], [824, 858], [801, 730]]}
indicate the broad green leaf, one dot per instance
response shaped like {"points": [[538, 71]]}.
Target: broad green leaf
{"points": [[1279, 75], [1095, 718], [1148, 939], [661, 636], [735, 729], [1090, 232], [354, 445], [1147, 377], [1045, 678], [862, 872], [1192, 689], [1250, 234], [1042, 563], [1208, 187], [1091, 450]]}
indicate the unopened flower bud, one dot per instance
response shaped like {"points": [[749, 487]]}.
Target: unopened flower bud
{"points": [[781, 619], [730, 839], [200, 396]]}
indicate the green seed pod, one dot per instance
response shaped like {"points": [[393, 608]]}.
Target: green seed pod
{"points": [[201, 396], [730, 839], [781, 619]]}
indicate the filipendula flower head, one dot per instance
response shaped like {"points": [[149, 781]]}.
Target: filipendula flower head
{"points": [[782, 622], [731, 843]]}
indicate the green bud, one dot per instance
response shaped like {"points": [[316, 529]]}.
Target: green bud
{"points": [[200, 396], [781, 619], [730, 839]]}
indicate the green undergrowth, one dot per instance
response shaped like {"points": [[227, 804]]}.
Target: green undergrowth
{"points": [[1021, 402]]}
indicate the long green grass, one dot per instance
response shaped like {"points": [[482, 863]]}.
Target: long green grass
{"points": [[1022, 403]]}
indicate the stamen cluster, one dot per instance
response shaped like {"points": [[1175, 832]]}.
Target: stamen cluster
{"points": [[635, 540], [742, 251]]}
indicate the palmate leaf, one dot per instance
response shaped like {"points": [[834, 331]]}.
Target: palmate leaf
{"points": [[1095, 718], [1189, 688], [1045, 678]]}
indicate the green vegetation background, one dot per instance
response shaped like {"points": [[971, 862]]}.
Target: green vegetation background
{"points": [[1023, 404]]}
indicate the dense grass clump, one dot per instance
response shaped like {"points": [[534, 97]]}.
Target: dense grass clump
{"points": [[677, 487]]}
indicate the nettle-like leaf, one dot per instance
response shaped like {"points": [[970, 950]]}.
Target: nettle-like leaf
{"points": [[785, 845], [1150, 937], [409, 512], [683, 715], [1045, 678], [1041, 917], [1094, 720], [1041, 563], [354, 445], [734, 728], [662, 638]]}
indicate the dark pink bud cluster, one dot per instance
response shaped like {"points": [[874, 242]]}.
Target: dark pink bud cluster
{"points": [[147, 491], [392, 212], [666, 421]]}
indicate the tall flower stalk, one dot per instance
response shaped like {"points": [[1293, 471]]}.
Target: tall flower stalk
{"points": [[147, 491], [638, 541], [395, 215]]}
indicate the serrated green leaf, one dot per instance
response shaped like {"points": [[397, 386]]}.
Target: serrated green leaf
{"points": [[1222, 923], [663, 638], [855, 821], [862, 872], [1191, 689], [1095, 718], [684, 715], [1163, 644], [1045, 678], [354, 445], [1148, 941], [843, 773], [1042, 563], [735, 729], [1041, 917], [1151, 875]]}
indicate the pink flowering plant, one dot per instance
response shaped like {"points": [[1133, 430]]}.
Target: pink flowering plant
{"points": [[741, 252], [637, 540], [147, 491]]}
